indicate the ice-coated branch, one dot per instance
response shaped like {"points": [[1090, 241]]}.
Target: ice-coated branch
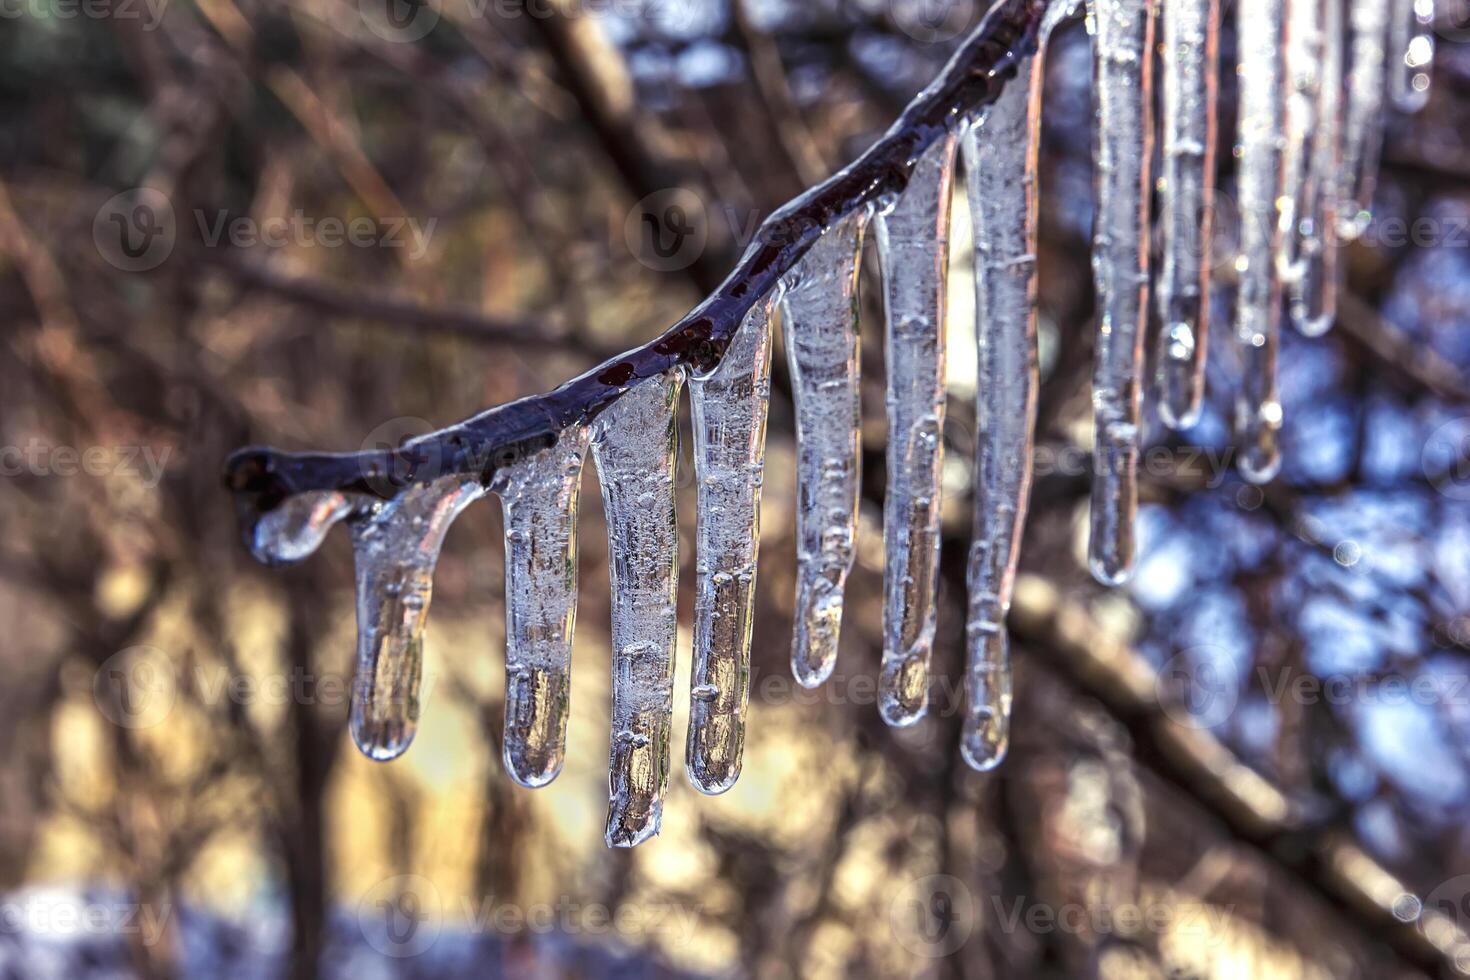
{"points": [[262, 479]]}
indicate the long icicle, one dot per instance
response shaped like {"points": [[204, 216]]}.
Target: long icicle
{"points": [[1123, 92], [1302, 39], [1000, 151], [1411, 54], [729, 411], [635, 450], [1313, 293], [539, 499], [1261, 29], [819, 324], [1191, 66], [1363, 138], [913, 249], [395, 550]]}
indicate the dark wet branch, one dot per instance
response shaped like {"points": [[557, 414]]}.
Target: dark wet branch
{"points": [[261, 478]]}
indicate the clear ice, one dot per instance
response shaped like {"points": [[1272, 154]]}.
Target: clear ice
{"points": [[729, 421], [1123, 33], [539, 497], [634, 446], [819, 325], [1312, 293], [913, 250], [1363, 135]]}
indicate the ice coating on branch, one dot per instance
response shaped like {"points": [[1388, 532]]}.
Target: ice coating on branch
{"points": [[819, 322], [1122, 46], [913, 249], [729, 421], [1261, 29], [538, 496], [1410, 53], [1313, 292], [634, 447], [1000, 152], [395, 550], [297, 527], [1190, 55], [1363, 135]]}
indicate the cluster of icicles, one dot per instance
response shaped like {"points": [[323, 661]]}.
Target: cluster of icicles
{"points": [[1304, 186]]}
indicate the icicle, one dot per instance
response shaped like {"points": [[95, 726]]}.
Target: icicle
{"points": [[1123, 92], [1313, 293], [395, 550], [819, 318], [913, 249], [1303, 40], [297, 527], [1260, 28], [1411, 48], [1000, 181], [634, 448], [539, 499], [1363, 138], [1191, 82], [729, 409]]}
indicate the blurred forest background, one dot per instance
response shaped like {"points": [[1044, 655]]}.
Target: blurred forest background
{"points": [[364, 221]]}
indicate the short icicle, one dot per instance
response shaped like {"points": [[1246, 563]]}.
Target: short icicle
{"points": [[1303, 79], [539, 498], [1123, 33], [1258, 309], [1312, 294], [819, 321], [1000, 152], [298, 527], [729, 420], [1411, 53], [1191, 67], [1363, 136], [395, 550], [635, 449], [913, 250]]}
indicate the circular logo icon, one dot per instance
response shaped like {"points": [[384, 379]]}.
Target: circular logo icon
{"points": [[933, 21], [135, 688], [391, 438], [932, 916], [399, 21], [135, 231], [1446, 458], [401, 916], [1452, 899], [1194, 690], [667, 231], [1451, 19]]}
